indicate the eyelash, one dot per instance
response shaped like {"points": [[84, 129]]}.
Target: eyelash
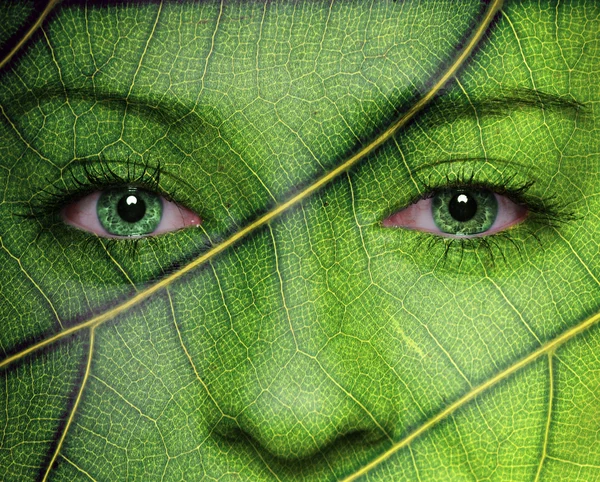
{"points": [[541, 212], [87, 178], [98, 175]]}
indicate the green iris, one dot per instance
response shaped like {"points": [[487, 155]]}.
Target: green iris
{"points": [[462, 213], [129, 211]]}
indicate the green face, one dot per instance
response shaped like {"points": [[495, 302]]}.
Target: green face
{"points": [[294, 335]]}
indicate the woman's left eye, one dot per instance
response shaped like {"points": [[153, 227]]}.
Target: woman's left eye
{"points": [[460, 213], [127, 212]]}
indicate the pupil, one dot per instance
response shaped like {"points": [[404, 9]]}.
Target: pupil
{"points": [[131, 208], [462, 207]]}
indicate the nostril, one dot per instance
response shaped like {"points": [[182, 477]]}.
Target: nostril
{"points": [[302, 411], [363, 436], [232, 433], [298, 443], [357, 438]]}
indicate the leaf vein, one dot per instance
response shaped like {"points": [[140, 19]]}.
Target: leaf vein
{"points": [[548, 419], [73, 411]]}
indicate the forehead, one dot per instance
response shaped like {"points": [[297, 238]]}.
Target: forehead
{"points": [[281, 91], [310, 78]]}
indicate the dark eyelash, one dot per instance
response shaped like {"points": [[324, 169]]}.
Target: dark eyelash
{"points": [[542, 212], [84, 178]]}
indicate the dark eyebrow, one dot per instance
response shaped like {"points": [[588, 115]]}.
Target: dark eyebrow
{"points": [[448, 106], [453, 105], [167, 111]]}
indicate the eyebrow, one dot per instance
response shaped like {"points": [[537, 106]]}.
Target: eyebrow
{"points": [[451, 106], [446, 107], [168, 112]]}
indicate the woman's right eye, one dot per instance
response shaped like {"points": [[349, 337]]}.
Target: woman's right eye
{"points": [[460, 213], [127, 212]]}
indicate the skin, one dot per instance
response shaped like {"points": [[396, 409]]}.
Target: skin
{"points": [[324, 337]]}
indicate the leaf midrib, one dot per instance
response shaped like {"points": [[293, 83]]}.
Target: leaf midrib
{"points": [[30, 31]]}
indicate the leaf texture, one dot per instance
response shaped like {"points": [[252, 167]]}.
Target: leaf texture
{"points": [[291, 336]]}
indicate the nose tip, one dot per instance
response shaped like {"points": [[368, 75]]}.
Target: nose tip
{"points": [[304, 414]]}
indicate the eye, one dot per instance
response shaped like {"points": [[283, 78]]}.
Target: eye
{"points": [[460, 213], [127, 212]]}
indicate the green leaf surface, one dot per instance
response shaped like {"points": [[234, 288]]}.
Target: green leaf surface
{"points": [[291, 336]]}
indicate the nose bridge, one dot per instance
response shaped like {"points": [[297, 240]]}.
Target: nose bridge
{"points": [[302, 385], [311, 377]]}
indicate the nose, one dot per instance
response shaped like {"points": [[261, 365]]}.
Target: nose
{"points": [[303, 411]]}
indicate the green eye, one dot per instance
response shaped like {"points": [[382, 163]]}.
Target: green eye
{"points": [[129, 211], [462, 213]]}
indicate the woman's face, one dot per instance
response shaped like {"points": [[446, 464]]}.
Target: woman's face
{"points": [[189, 288]]}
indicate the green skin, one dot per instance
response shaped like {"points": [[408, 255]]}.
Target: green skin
{"points": [[110, 219], [487, 210], [310, 346]]}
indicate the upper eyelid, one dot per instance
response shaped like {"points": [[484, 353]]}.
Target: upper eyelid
{"points": [[65, 195], [515, 194], [81, 178], [104, 175]]}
